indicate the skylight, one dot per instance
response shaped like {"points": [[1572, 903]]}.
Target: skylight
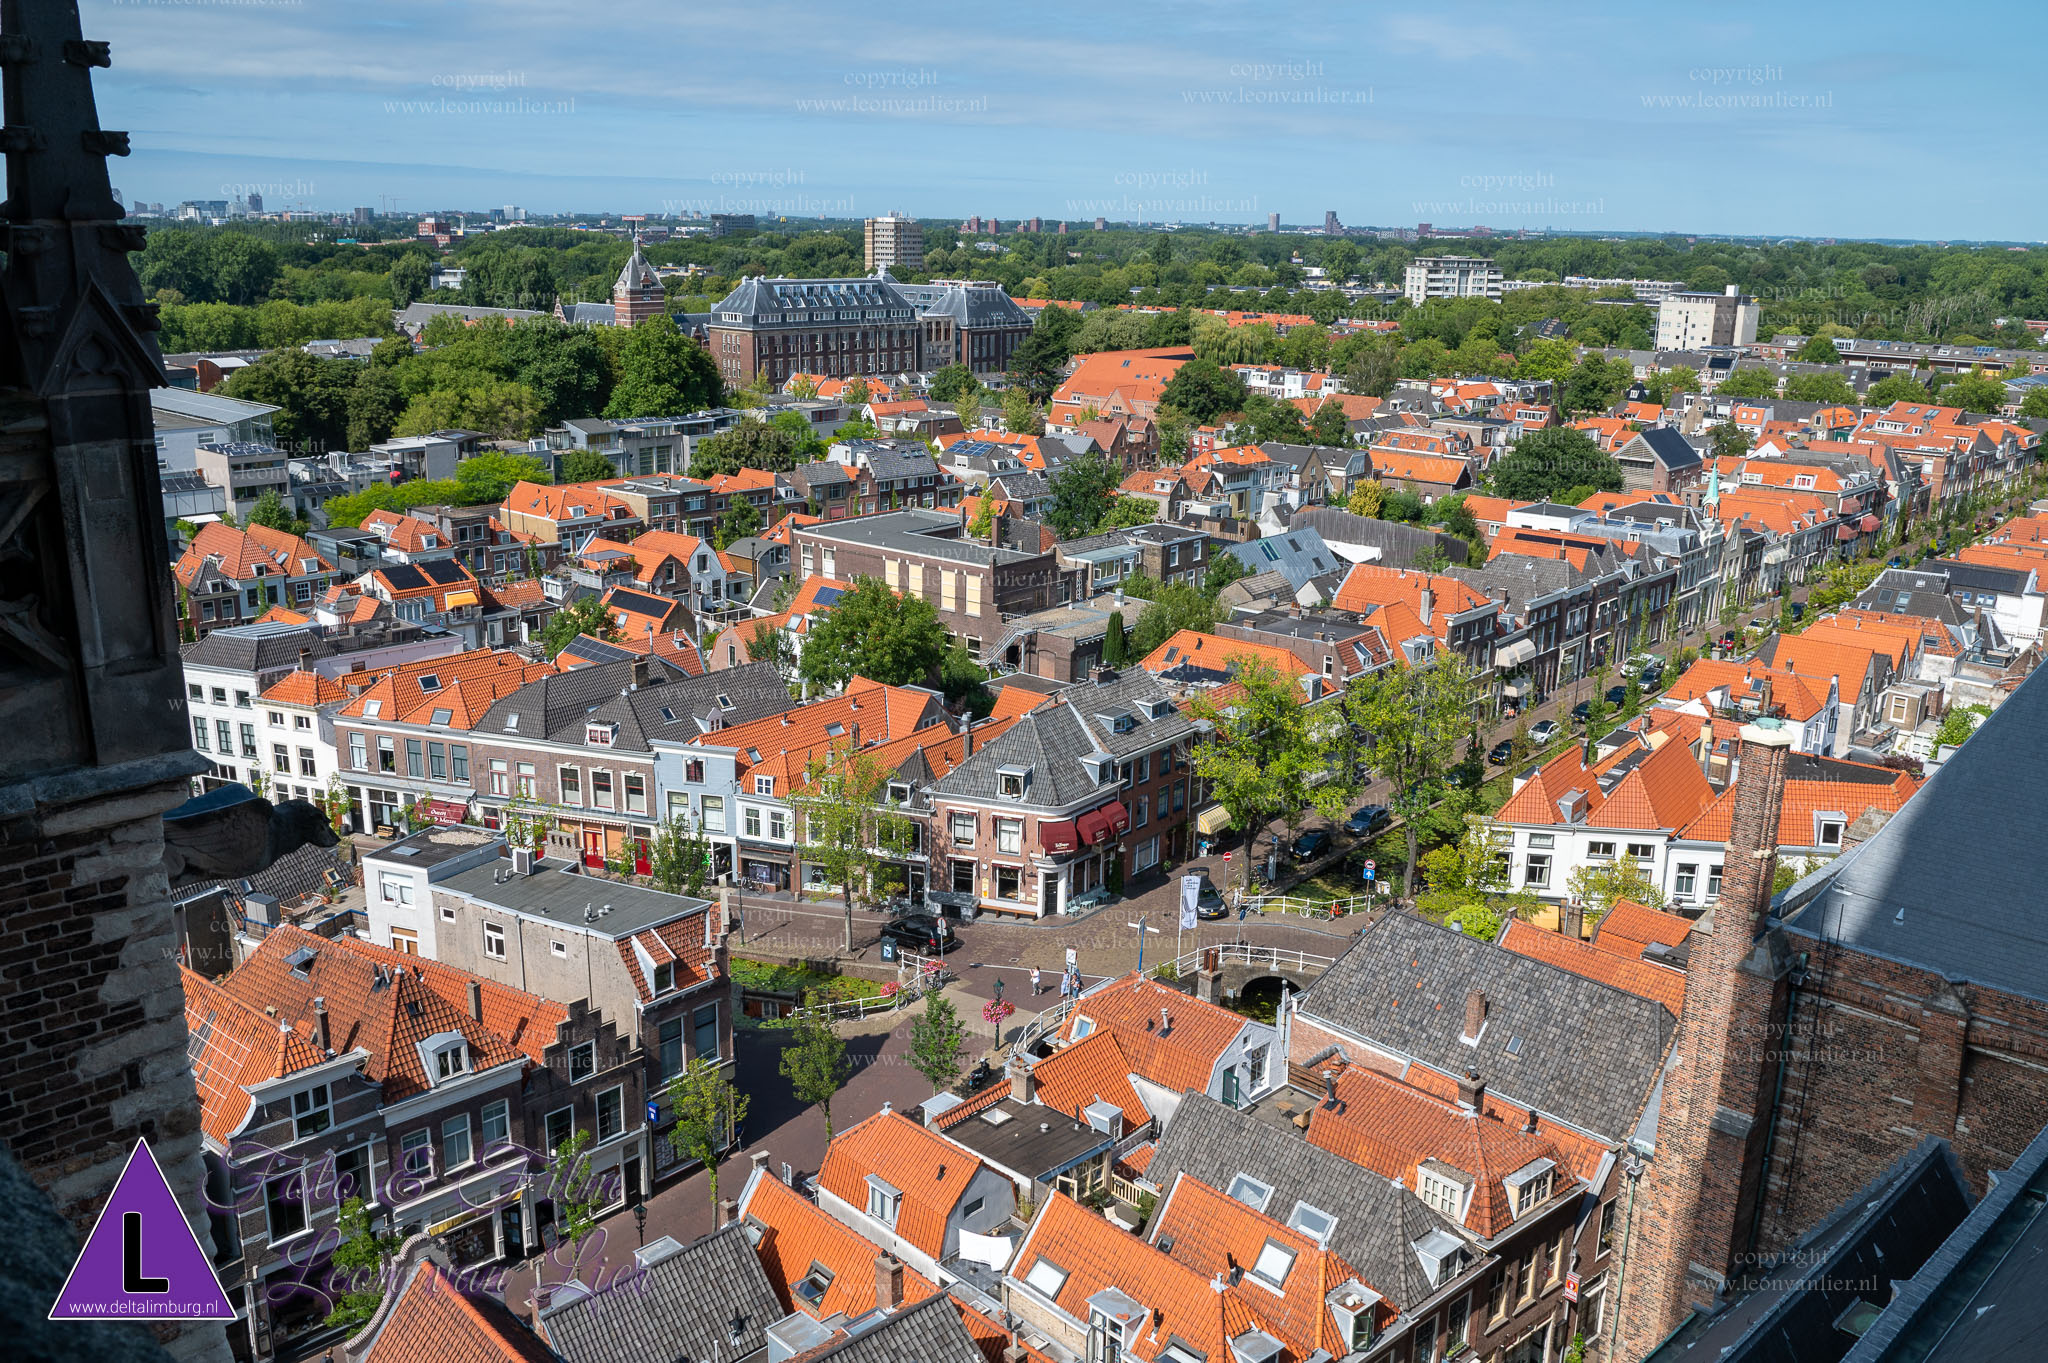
{"points": [[442, 717], [429, 682]]}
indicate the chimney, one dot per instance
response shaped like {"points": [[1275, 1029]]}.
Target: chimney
{"points": [[1572, 920], [320, 1024], [1475, 1013], [1330, 1087], [1015, 1353], [1165, 1020], [888, 1282], [1529, 1124], [1023, 1080], [1428, 602], [476, 999], [966, 737], [759, 1159], [728, 1212], [1471, 1090], [305, 658], [639, 672], [1752, 856]]}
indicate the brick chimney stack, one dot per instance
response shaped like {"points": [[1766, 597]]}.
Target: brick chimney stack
{"points": [[1475, 1012], [1703, 1185], [321, 1026], [888, 1282], [476, 1000]]}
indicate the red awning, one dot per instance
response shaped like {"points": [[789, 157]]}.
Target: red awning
{"points": [[447, 811], [1870, 523], [1058, 836], [1093, 827], [1845, 532], [1119, 818]]}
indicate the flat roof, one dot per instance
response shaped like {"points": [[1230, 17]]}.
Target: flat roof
{"points": [[1028, 1138], [553, 895], [432, 846], [912, 532]]}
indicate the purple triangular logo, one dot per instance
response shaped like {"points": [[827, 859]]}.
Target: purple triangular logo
{"points": [[142, 1261]]}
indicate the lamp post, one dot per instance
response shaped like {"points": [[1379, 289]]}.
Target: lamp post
{"points": [[640, 1221], [1141, 928]]}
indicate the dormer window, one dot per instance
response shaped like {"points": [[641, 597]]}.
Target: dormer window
{"points": [[1529, 1187], [1442, 1189], [884, 1201], [899, 793], [664, 977], [451, 1061], [1010, 782], [764, 785], [1827, 829], [600, 735], [1312, 1221]]}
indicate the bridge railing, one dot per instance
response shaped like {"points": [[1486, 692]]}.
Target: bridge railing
{"points": [[1179, 968]]}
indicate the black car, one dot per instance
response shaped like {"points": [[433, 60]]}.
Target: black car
{"points": [[1582, 711], [1368, 819], [1500, 753], [1209, 904], [1310, 845], [921, 933], [1617, 695]]}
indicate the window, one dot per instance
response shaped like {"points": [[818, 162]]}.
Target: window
{"points": [[669, 1049], [883, 1201], [458, 762], [1273, 1263], [961, 828], [1250, 1191], [714, 813], [1010, 784], [1105, 1338], [358, 753], [1255, 1068], [281, 759], [1147, 855], [1687, 877], [387, 755], [778, 825], [312, 1113], [415, 762], [1529, 1188], [285, 1204], [561, 1124], [1642, 851], [1457, 1324], [1009, 883], [528, 787], [611, 1113], [276, 718], [1713, 882], [572, 785], [1010, 836], [195, 691], [664, 977], [308, 765], [750, 819], [1312, 1221], [415, 1151], [455, 1142], [451, 1061], [1607, 1210], [1600, 851], [447, 914], [497, 1124], [302, 721], [220, 695], [352, 1175], [1830, 833], [636, 793], [494, 941], [248, 740], [1539, 870], [241, 700], [199, 734], [1046, 1277], [1593, 1308], [704, 1032], [1443, 1194]]}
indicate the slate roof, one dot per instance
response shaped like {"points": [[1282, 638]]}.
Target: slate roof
{"points": [[929, 1332], [1298, 552], [1952, 883], [784, 297], [681, 1308], [1668, 447], [558, 707], [970, 307], [1051, 741], [1378, 1223], [255, 648], [1399, 543], [1584, 1052]]}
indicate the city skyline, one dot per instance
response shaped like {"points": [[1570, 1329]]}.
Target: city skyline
{"points": [[1450, 117]]}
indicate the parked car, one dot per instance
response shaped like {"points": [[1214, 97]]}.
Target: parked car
{"points": [[1310, 845], [1367, 819], [1209, 904], [1583, 711], [1798, 610], [1728, 639], [1617, 695], [1652, 678], [1545, 730], [1501, 752], [922, 933]]}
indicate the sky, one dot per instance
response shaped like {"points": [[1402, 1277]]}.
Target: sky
{"points": [[1808, 118]]}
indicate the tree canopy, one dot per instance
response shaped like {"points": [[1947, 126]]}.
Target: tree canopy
{"points": [[871, 632], [1546, 462]]}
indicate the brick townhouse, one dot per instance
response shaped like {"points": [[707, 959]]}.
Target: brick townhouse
{"points": [[230, 576], [927, 554], [1079, 796], [652, 964], [334, 1068], [567, 514], [575, 750]]}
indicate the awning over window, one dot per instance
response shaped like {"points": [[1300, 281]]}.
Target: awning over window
{"points": [[1058, 836], [1119, 818], [1093, 827], [447, 811], [1870, 523], [1514, 654], [1845, 532], [461, 599], [1212, 821]]}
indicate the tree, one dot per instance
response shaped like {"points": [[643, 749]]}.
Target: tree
{"points": [[587, 466], [937, 1041], [845, 831], [585, 615], [1264, 750], [1730, 441], [1958, 724], [1373, 369], [1116, 649], [358, 1265], [1366, 499], [678, 857], [947, 383], [1414, 719], [1543, 463], [815, 1062], [873, 633], [1330, 425], [311, 396], [1080, 492], [1594, 385], [1224, 569], [491, 475], [983, 523], [1896, 388], [1174, 427], [1466, 882], [1754, 382], [577, 1191], [740, 520], [1975, 391], [1819, 388], [1820, 349], [1020, 415], [271, 511], [968, 402], [1599, 887], [751, 444], [662, 372], [1204, 391], [1124, 512], [1176, 607], [708, 1110], [1549, 357], [2035, 407]]}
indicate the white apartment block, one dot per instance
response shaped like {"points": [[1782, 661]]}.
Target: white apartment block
{"points": [[1694, 321], [1452, 277]]}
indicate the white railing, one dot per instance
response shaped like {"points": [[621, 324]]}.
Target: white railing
{"points": [[1307, 908], [1247, 953]]}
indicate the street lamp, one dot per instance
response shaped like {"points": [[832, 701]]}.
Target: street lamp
{"points": [[1141, 930], [640, 1221]]}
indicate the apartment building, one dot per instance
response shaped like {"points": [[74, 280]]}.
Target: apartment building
{"points": [[1430, 277], [893, 241], [1695, 321], [835, 327], [927, 554], [229, 576]]}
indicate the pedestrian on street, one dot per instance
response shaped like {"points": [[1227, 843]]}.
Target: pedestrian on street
{"points": [[1034, 982]]}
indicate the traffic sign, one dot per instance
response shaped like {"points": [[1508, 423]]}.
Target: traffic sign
{"points": [[142, 1261], [1571, 1287]]}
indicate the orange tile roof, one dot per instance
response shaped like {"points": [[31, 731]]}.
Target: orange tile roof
{"points": [[1660, 983], [566, 501], [237, 1046], [1823, 655], [1183, 1056], [436, 1317], [1091, 1070], [1490, 510], [240, 552], [787, 742], [1803, 800], [1628, 929], [303, 686], [1390, 1127], [519, 593], [1418, 468], [1664, 789], [1216, 653], [930, 1172], [1371, 585], [278, 615], [1012, 701], [527, 1021], [799, 1236], [468, 684], [437, 594], [1139, 375], [409, 534]]}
